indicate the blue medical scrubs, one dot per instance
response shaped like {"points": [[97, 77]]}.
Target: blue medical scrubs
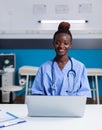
{"points": [[50, 74]]}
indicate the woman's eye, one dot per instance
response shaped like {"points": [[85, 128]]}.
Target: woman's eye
{"points": [[58, 43], [66, 43]]}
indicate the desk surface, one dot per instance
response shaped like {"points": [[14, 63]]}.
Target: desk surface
{"points": [[91, 121]]}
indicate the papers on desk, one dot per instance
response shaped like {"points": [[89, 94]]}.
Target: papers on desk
{"points": [[8, 119]]}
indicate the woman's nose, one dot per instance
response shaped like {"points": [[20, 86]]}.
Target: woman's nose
{"points": [[61, 44]]}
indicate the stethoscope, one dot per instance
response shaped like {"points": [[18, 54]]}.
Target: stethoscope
{"points": [[70, 72]]}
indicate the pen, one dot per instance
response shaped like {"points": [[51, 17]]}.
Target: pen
{"points": [[11, 123], [11, 114]]}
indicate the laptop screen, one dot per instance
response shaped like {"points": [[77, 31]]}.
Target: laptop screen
{"points": [[56, 106]]}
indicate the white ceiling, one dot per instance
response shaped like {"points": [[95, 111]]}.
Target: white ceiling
{"points": [[19, 18]]}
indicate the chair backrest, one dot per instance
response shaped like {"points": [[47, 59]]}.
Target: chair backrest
{"points": [[26, 76]]}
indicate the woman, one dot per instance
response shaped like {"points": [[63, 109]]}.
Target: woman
{"points": [[62, 75]]}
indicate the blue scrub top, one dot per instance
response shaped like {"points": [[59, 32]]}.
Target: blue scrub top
{"points": [[76, 86]]}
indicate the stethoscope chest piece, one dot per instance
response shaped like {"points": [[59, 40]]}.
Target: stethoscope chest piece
{"points": [[53, 89]]}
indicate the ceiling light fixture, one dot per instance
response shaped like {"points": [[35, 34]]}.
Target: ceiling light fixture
{"points": [[58, 21]]}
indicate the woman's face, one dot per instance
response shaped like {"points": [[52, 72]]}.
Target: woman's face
{"points": [[62, 44]]}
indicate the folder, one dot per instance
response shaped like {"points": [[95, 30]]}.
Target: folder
{"points": [[8, 119]]}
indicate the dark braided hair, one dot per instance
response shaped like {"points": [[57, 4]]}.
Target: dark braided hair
{"points": [[63, 28]]}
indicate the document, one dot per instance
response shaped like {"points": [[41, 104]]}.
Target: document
{"points": [[6, 116], [8, 119]]}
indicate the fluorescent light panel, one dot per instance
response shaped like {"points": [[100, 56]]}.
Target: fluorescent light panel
{"points": [[58, 21]]}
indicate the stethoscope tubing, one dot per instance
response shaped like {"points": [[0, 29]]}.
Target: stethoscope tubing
{"points": [[68, 74]]}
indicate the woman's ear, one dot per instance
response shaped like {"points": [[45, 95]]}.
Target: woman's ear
{"points": [[70, 45]]}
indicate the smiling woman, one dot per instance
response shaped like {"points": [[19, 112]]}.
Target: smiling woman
{"points": [[62, 75]]}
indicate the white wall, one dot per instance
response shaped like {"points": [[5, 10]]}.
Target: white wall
{"points": [[19, 18]]}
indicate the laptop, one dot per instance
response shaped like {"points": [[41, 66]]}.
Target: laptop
{"points": [[55, 106]]}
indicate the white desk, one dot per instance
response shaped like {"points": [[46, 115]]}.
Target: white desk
{"points": [[94, 73], [91, 121]]}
